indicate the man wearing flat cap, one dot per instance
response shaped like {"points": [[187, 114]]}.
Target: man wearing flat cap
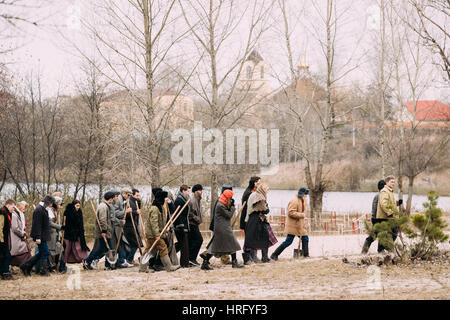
{"points": [[102, 231], [295, 224]]}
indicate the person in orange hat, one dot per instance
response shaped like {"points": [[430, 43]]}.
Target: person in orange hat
{"points": [[224, 241]]}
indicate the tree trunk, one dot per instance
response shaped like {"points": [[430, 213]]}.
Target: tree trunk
{"points": [[214, 190], [316, 201], [410, 194], [3, 180]]}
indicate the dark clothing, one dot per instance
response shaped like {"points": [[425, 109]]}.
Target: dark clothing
{"points": [[5, 239], [195, 212], [211, 224], [183, 217], [100, 249], [224, 241], [74, 229], [195, 242], [5, 262], [128, 229], [245, 197], [375, 206], [40, 228], [256, 233], [183, 246]]}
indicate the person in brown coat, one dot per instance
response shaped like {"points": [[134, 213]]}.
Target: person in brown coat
{"points": [[295, 224], [5, 239]]}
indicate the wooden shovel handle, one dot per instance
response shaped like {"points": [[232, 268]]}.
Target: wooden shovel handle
{"points": [[98, 221], [169, 224], [121, 229]]}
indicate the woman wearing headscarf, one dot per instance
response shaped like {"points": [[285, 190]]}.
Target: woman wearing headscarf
{"points": [[224, 241], [249, 255], [20, 250], [75, 243], [258, 233]]}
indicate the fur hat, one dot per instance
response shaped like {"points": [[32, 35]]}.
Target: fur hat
{"points": [[226, 187], [197, 187]]}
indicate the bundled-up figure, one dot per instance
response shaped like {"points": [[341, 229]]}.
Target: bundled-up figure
{"points": [[295, 224], [370, 239], [54, 244], [195, 219], [224, 241], [5, 238], [130, 230], [40, 233], [102, 232], [258, 233], [76, 249], [155, 221], [248, 254], [182, 226], [20, 250], [121, 208]]}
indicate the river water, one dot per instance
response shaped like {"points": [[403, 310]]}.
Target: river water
{"points": [[339, 202]]}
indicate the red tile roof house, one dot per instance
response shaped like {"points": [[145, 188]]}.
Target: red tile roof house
{"points": [[428, 110]]}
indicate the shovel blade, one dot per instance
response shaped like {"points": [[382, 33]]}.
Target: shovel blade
{"points": [[146, 258], [297, 253], [112, 257]]}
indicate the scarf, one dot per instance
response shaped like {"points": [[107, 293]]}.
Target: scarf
{"points": [[224, 196], [257, 200]]}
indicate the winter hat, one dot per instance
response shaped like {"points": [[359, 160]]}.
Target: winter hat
{"points": [[156, 190], [160, 196], [109, 195], [302, 191], [226, 187], [381, 184], [197, 187], [225, 196]]}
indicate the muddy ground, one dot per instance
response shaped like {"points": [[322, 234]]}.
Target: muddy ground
{"points": [[317, 277]]}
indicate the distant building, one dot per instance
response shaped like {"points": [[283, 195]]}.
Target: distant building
{"points": [[254, 77], [426, 111]]}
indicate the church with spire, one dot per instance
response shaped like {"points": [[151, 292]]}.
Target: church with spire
{"points": [[254, 78]]}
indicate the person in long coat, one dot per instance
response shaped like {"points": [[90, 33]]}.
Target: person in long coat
{"points": [[5, 239], [295, 224], [75, 243], [248, 255], [131, 227], [121, 208], [20, 250], [258, 233], [224, 241]]}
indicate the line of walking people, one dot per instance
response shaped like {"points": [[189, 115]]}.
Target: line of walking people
{"points": [[123, 228]]}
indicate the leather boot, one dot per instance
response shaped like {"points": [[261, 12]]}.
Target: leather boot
{"points": [[235, 264], [246, 258], [253, 256], [205, 264], [43, 268], [265, 257], [168, 265], [305, 249], [277, 252], [28, 265], [366, 246]]}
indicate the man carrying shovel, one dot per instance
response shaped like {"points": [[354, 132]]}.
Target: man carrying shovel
{"points": [[103, 232], [155, 223]]}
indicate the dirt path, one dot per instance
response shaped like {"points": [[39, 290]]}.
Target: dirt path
{"points": [[313, 278]]}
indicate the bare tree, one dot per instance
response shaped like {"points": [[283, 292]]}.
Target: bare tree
{"points": [[433, 17], [314, 110], [213, 25]]}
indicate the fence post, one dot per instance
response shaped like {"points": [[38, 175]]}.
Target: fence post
{"points": [[353, 226]]}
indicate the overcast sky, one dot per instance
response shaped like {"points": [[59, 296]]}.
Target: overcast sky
{"points": [[43, 48]]}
